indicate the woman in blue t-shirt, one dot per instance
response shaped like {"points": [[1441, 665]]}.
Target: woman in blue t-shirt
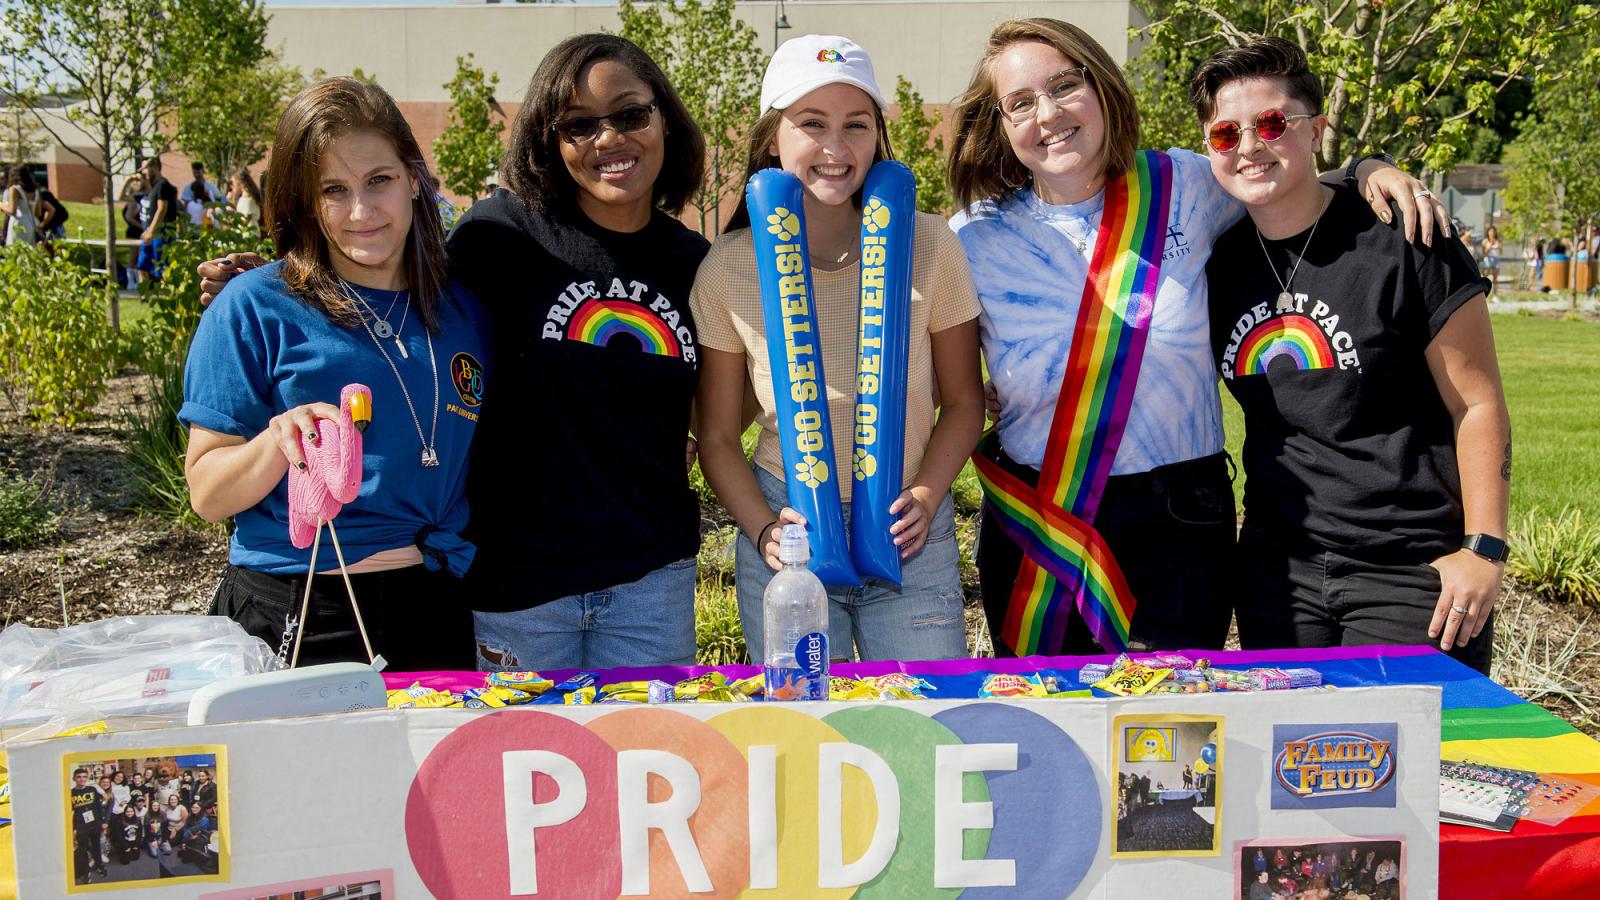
{"points": [[359, 295]]}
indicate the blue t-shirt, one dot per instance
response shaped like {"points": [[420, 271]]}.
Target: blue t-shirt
{"points": [[260, 351], [1030, 277]]}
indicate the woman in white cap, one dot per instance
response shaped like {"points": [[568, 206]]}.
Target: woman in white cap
{"points": [[822, 120]]}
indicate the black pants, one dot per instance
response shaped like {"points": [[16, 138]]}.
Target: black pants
{"points": [[417, 619], [1298, 596], [1172, 532]]}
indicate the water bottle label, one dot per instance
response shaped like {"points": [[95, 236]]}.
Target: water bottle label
{"points": [[808, 679]]}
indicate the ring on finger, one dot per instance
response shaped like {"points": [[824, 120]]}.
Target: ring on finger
{"points": [[1422, 193], [1459, 610]]}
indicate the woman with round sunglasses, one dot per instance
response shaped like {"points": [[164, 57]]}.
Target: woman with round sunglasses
{"points": [[1124, 460], [1377, 450], [586, 527]]}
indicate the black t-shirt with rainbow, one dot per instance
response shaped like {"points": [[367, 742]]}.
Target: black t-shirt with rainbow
{"points": [[578, 480], [1348, 445]]}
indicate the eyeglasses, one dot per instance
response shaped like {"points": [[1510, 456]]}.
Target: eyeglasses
{"points": [[1062, 88], [1270, 125], [577, 129]]}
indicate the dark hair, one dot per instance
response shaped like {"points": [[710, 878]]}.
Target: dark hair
{"points": [[248, 183], [757, 157], [982, 164], [313, 120], [22, 176], [532, 166], [1268, 57], [196, 166], [200, 193]]}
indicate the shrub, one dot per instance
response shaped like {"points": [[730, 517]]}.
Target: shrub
{"points": [[1557, 557], [25, 518], [719, 641], [156, 443], [55, 344]]}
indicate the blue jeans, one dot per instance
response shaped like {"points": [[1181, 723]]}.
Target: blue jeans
{"points": [[921, 619], [649, 622]]}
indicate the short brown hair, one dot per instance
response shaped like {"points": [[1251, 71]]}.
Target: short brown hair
{"points": [[757, 157], [532, 166], [982, 165], [313, 120], [1267, 57]]}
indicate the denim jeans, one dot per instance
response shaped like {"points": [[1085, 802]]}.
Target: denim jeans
{"points": [[649, 622], [920, 619]]}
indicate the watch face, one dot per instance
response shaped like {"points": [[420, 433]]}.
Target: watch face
{"points": [[1487, 546]]}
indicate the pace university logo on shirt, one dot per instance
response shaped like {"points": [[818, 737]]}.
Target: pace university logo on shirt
{"points": [[630, 314]]}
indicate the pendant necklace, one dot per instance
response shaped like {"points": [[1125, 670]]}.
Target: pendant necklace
{"points": [[380, 324], [1286, 298], [430, 457]]}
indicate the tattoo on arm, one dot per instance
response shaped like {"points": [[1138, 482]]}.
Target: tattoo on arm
{"points": [[1505, 467]]}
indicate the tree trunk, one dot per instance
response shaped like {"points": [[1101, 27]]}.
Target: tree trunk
{"points": [[111, 254]]}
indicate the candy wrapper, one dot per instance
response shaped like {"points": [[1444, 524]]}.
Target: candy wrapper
{"points": [[1168, 661], [754, 686], [1229, 680], [1267, 679], [577, 690], [1005, 684], [494, 697], [419, 697], [695, 688], [900, 686], [636, 692], [842, 688], [1094, 672], [530, 682], [1303, 678], [1133, 680]]}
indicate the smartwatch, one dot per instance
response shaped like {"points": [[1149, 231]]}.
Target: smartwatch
{"points": [[1350, 171], [1487, 546]]}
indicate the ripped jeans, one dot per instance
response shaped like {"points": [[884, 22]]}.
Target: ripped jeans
{"points": [[921, 619]]}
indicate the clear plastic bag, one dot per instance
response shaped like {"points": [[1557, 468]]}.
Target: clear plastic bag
{"points": [[132, 671]]}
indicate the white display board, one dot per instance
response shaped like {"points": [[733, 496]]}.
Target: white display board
{"points": [[1153, 796]]}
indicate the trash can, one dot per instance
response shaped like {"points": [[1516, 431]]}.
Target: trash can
{"points": [[1556, 271], [1584, 272]]}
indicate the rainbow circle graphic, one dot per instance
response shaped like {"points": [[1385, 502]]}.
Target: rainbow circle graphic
{"points": [[599, 322], [1292, 336], [830, 56]]}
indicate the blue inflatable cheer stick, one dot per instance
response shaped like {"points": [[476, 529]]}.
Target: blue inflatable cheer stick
{"points": [[794, 348]]}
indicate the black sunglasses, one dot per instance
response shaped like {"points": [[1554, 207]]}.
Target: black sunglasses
{"points": [[577, 129]]}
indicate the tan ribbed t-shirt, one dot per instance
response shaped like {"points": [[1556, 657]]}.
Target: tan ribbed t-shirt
{"points": [[727, 314]]}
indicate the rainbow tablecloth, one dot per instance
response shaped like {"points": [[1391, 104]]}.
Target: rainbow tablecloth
{"points": [[1482, 721]]}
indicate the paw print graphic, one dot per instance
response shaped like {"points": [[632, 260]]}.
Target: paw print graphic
{"points": [[783, 223], [875, 217], [811, 471], [865, 464]]}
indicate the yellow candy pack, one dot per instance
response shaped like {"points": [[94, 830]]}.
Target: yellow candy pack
{"points": [[1133, 680]]}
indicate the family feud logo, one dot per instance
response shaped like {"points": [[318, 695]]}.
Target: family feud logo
{"points": [[1321, 766]]}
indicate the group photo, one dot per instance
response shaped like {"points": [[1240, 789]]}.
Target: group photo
{"points": [[1164, 359]]}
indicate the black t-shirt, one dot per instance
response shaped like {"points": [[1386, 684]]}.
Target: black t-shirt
{"points": [[162, 189], [1348, 445], [86, 809], [577, 480]]}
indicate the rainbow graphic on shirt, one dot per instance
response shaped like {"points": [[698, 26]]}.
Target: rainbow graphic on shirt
{"points": [[1293, 336], [599, 322]]}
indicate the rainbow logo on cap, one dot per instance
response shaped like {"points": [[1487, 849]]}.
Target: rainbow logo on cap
{"points": [[830, 56]]}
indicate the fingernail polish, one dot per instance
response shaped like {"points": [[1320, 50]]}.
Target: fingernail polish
{"points": [[311, 435], [301, 465]]}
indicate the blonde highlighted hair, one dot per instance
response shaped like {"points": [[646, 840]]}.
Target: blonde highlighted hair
{"points": [[982, 165]]}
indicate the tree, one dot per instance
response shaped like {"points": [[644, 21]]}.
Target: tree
{"points": [[714, 61], [1553, 181], [469, 148], [1413, 77], [230, 123], [911, 135], [133, 63]]}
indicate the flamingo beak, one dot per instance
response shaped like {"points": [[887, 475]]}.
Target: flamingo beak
{"points": [[361, 411]]}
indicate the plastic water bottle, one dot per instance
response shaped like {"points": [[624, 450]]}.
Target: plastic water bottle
{"points": [[795, 624]]}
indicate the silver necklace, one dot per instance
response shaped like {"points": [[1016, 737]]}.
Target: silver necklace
{"points": [[430, 457], [1286, 298]]}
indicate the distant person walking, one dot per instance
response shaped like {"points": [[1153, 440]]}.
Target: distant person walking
{"points": [[20, 203], [156, 212], [198, 185], [1491, 258]]}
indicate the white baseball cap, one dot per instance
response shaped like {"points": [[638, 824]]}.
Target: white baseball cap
{"points": [[810, 61]]}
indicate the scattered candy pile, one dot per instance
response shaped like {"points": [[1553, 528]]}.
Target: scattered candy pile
{"points": [[1163, 673]]}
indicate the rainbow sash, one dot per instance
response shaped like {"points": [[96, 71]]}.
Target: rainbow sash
{"points": [[1065, 560]]}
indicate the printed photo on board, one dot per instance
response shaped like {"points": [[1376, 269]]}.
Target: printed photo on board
{"points": [[373, 885], [145, 816], [1168, 777], [1340, 868]]}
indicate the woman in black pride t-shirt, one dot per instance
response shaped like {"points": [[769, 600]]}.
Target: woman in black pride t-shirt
{"points": [[1377, 450], [586, 527]]}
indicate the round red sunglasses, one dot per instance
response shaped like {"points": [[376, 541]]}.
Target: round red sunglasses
{"points": [[1269, 126]]}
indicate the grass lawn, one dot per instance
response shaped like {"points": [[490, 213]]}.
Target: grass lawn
{"points": [[1552, 380], [87, 220]]}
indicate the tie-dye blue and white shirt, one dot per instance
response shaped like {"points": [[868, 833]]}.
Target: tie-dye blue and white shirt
{"points": [[1030, 276]]}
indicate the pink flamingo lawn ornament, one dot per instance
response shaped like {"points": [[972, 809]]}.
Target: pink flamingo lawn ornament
{"points": [[331, 478]]}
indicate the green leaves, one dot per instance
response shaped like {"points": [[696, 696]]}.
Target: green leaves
{"points": [[229, 123], [911, 135], [469, 149], [55, 345]]}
